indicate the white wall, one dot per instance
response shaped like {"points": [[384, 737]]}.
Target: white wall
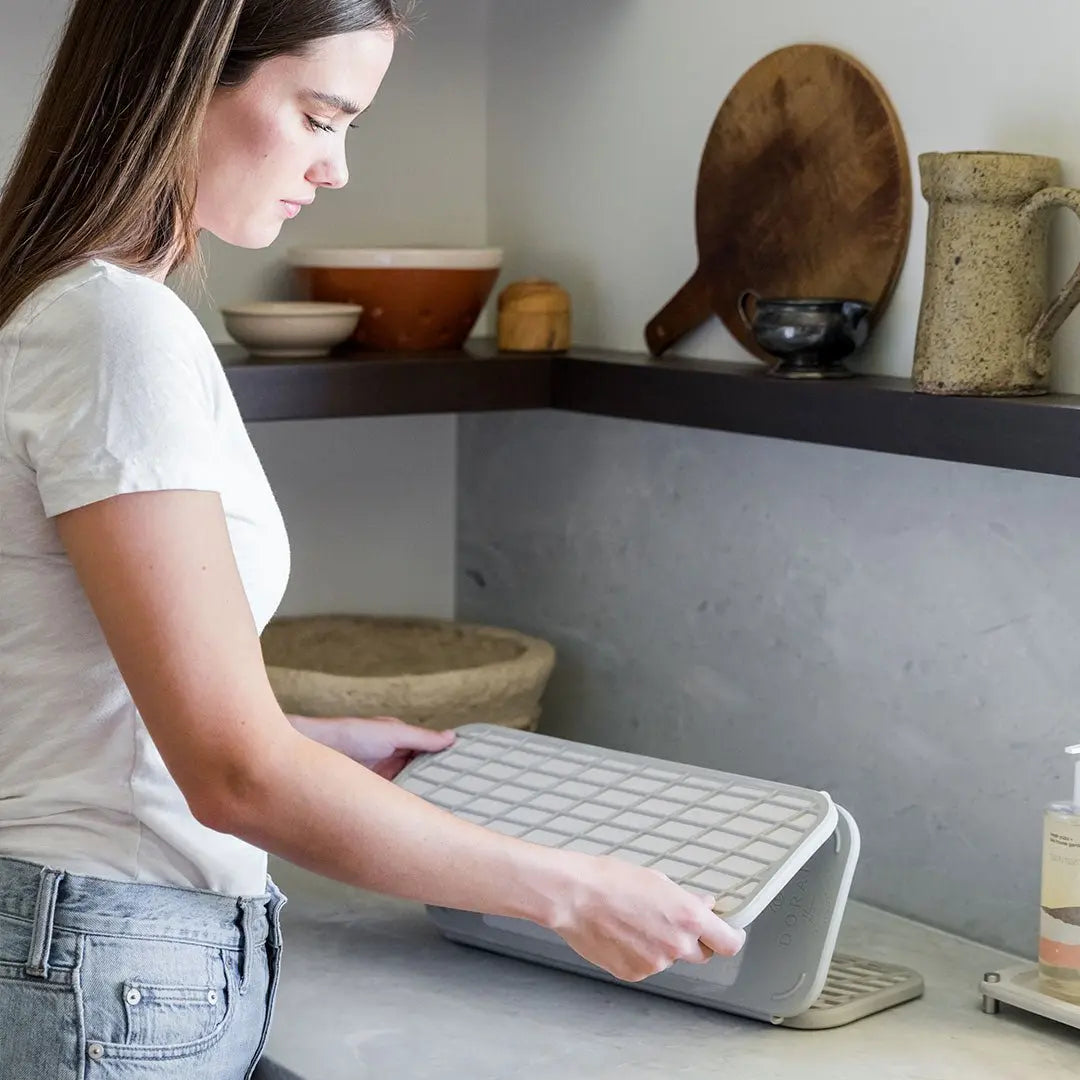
{"points": [[27, 33], [369, 504], [599, 112]]}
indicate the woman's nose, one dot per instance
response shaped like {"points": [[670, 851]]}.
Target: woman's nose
{"points": [[332, 171]]}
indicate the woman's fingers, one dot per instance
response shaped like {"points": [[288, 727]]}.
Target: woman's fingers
{"points": [[722, 939], [698, 954]]}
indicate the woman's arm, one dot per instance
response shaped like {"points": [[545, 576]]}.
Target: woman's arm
{"points": [[159, 572]]}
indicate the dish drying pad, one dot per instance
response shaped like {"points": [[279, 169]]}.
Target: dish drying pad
{"points": [[856, 988], [760, 848], [730, 837]]}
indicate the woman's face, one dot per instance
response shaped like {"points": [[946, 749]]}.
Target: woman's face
{"points": [[267, 147]]}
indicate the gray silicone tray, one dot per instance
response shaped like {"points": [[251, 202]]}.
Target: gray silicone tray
{"points": [[732, 837], [795, 850]]}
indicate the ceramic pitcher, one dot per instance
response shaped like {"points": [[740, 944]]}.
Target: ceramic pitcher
{"points": [[985, 325]]}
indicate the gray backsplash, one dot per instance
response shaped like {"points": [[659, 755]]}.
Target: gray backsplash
{"points": [[901, 633]]}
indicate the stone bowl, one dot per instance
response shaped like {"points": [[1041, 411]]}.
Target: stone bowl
{"points": [[432, 672]]}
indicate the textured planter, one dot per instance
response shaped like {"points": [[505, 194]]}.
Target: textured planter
{"points": [[430, 672]]}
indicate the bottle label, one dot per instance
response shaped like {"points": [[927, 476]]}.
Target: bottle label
{"points": [[1059, 924]]}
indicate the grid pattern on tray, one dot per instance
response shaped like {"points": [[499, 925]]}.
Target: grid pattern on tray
{"points": [[720, 834], [851, 977], [856, 987]]}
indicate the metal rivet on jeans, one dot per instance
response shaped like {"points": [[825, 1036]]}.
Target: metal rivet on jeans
{"points": [[211, 996], [96, 1051], [133, 997]]}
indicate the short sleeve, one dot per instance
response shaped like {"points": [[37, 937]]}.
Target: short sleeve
{"points": [[106, 395]]}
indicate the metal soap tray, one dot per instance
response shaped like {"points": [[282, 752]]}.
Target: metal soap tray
{"points": [[779, 860]]}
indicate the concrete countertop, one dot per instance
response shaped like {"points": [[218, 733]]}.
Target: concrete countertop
{"points": [[371, 989]]}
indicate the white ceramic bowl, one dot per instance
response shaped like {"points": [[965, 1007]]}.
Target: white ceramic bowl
{"points": [[291, 328]]}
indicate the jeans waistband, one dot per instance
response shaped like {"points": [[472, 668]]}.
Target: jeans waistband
{"points": [[56, 899]]}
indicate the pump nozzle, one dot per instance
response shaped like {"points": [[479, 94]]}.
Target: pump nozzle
{"points": [[1075, 752]]}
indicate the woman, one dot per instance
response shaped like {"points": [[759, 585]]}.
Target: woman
{"points": [[145, 766]]}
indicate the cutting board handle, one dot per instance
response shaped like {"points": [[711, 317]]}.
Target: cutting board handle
{"points": [[686, 311]]}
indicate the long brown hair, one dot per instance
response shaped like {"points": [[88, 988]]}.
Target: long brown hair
{"points": [[108, 167]]}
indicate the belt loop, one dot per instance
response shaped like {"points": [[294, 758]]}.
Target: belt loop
{"points": [[37, 966], [277, 901]]}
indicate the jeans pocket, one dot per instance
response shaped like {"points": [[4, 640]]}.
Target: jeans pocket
{"points": [[169, 1015], [180, 1010]]}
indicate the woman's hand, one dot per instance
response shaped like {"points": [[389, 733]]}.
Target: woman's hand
{"points": [[383, 743], [635, 922]]}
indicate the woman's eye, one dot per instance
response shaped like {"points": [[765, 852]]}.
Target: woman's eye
{"points": [[315, 125]]}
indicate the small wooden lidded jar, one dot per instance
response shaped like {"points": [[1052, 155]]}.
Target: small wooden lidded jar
{"points": [[534, 316]]}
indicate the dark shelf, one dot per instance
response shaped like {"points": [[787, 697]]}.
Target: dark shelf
{"points": [[1036, 434], [871, 413], [375, 384]]}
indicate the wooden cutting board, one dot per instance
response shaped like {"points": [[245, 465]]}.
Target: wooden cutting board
{"points": [[804, 191]]}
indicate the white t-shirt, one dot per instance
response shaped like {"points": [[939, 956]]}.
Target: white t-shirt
{"points": [[109, 385]]}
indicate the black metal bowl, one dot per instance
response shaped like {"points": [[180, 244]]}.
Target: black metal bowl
{"points": [[809, 337]]}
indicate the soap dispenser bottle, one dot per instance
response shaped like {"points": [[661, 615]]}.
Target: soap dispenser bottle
{"points": [[1059, 922]]}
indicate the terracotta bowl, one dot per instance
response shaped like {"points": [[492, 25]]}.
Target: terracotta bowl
{"points": [[414, 299]]}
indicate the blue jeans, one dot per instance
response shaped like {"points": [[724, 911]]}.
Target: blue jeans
{"points": [[107, 980]]}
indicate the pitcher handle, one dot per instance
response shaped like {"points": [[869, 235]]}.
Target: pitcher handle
{"points": [[1065, 302]]}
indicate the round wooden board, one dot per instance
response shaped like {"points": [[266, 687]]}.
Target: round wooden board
{"points": [[805, 186]]}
